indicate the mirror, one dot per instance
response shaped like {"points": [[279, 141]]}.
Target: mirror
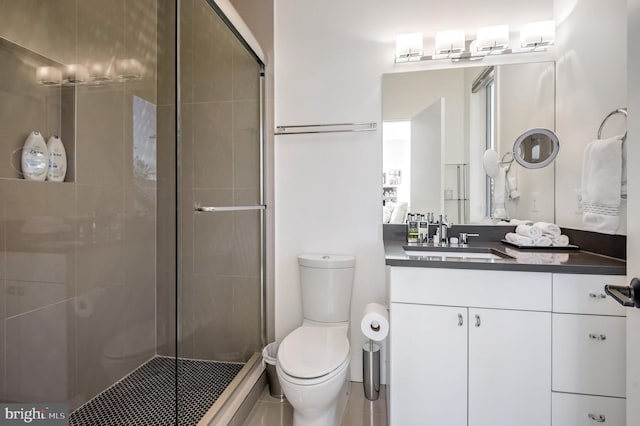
{"points": [[437, 125], [536, 148]]}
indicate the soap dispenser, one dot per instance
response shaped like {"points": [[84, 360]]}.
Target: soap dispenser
{"points": [[57, 160], [35, 157]]}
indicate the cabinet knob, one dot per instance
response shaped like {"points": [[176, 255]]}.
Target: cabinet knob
{"points": [[460, 320], [477, 320], [597, 296], [595, 336], [597, 417]]}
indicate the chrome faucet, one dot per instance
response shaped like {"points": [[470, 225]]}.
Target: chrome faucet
{"points": [[464, 237], [443, 227]]}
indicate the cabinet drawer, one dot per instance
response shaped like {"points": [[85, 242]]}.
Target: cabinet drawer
{"points": [[584, 294], [464, 287], [589, 354], [580, 410]]}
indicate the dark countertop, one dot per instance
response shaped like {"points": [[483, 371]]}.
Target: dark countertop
{"points": [[544, 260]]}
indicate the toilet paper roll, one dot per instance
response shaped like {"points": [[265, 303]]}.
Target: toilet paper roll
{"points": [[375, 322]]}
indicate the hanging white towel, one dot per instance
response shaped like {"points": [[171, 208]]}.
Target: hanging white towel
{"points": [[602, 184], [499, 191], [512, 183]]}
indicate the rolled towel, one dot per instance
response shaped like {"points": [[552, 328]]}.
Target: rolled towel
{"points": [[543, 241], [560, 241], [548, 228], [529, 231], [520, 240]]}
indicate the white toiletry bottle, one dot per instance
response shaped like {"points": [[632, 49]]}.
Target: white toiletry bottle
{"points": [[57, 160], [423, 229], [35, 157]]}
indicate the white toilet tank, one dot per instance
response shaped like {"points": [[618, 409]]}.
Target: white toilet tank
{"points": [[326, 281]]}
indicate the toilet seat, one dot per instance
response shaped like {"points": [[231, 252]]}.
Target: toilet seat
{"points": [[313, 352], [315, 381]]}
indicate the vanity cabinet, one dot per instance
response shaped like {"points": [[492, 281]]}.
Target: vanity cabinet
{"points": [[469, 347], [589, 352]]}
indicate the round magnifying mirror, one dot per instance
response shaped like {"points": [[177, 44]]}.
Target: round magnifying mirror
{"points": [[536, 148]]}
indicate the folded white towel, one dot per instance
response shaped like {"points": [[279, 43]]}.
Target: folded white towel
{"points": [[529, 231], [560, 241], [518, 239], [543, 241], [548, 228], [602, 184]]}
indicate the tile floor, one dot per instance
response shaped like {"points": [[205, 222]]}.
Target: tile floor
{"points": [[270, 411]]}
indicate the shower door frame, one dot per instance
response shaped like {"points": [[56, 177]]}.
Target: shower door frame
{"points": [[262, 206]]}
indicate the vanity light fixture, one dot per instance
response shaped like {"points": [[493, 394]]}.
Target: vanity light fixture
{"points": [[48, 76], [535, 34], [128, 69], [448, 42], [75, 74], [492, 39], [409, 47], [100, 72]]}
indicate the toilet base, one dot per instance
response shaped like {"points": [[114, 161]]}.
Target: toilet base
{"points": [[331, 417]]}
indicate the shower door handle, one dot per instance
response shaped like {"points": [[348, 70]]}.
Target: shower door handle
{"points": [[229, 208]]}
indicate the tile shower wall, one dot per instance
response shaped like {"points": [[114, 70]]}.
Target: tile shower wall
{"points": [[220, 166], [78, 263]]}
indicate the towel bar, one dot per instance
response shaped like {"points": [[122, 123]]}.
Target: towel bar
{"points": [[325, 128], [622, 111]]}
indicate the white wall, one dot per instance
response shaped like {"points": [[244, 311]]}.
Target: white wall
{"points": [[330, 57], [591, 73]]}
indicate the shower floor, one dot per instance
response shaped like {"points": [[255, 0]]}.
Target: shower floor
{"points": [[147, 396]]}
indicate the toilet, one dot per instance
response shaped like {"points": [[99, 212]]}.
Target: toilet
{"points": [[313, 361]]}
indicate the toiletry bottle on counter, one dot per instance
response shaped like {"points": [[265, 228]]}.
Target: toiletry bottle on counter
{"points": [[57, 160], [423, 229], [35, 157], [412, 229]]}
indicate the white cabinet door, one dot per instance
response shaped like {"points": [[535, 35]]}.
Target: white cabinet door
{"points": [[428, 365], [509, 368]]}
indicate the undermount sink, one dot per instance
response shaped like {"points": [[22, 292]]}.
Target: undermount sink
{"points": [[454, 252]]}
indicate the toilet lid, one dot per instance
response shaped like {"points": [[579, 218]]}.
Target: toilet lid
{"points": [[310, 352]]}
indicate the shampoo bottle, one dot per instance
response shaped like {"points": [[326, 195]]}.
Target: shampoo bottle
{"points": [[35, 157], [423, 229], [412, 229], [57, 160]]}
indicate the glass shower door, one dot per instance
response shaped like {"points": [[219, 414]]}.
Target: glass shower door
{"points": [[220, 200]]}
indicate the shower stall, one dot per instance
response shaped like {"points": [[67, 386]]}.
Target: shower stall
{"points": [[134, 290]]}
